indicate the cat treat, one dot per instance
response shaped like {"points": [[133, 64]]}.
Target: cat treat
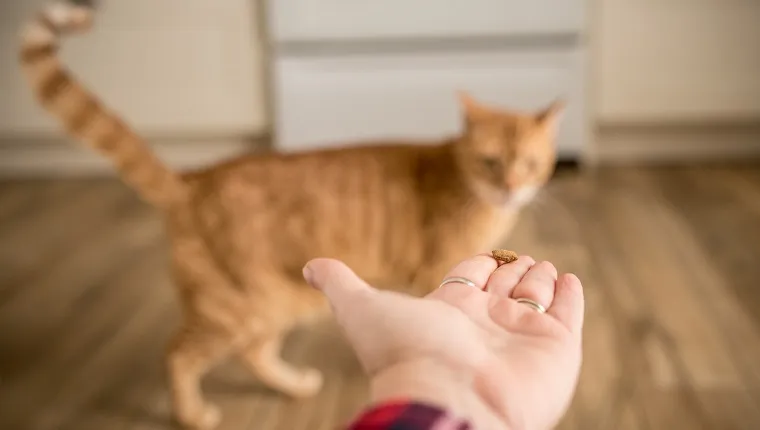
{"points": [[504, 256]]}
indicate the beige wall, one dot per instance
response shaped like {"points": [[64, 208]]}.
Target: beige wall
{"points": [[677, 60], [176, 67], [675, 81]]}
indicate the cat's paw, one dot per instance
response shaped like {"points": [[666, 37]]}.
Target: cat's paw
{"points": [[309, 384], [207, 418], [211, 417]]}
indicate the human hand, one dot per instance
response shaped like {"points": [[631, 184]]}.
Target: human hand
{"points": [[474, 351]]}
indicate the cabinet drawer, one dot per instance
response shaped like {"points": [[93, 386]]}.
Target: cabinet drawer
{"points": [[331, 101], [337, 20]]}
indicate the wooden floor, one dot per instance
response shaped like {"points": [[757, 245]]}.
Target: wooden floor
{"points": [[670, 259]]}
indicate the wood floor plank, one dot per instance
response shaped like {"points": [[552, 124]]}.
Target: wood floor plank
{"points": [[727, 296], [631, 418], [66, 362], [671, 409], [33, 242], [83, 381], [43, 195], [21, 198], [731, 409], [681, 314], [15, 195], [353, 400], [727, 203], [59, 286], [239, 406], [140, 399]]}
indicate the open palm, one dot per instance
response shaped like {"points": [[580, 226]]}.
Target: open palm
{"points": [[521, 364]]}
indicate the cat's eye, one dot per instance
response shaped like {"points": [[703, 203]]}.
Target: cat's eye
{"points": [[491, 164]]}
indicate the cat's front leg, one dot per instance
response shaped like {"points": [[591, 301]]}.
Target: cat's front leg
{"points": [[262, 357]]}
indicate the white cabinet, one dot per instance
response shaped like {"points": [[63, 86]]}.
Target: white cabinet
{"points": [[350, 72], [333, 99], [661, 61], [173, 67]]}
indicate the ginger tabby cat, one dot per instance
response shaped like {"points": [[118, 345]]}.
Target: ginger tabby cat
{"points": [[399, 214]]}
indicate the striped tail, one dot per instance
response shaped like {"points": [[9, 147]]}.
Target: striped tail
{"points": [[83, 116]]}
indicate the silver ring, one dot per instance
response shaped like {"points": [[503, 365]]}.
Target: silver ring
{"points": [[460, 280], [531, 303]]}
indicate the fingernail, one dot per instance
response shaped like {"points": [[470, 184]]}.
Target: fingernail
{"points": [[308, 274]]}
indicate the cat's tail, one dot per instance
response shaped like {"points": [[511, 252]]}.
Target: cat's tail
{"points": [[81, 113]]}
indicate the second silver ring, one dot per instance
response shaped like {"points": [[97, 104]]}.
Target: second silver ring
{"points": [[532, 303]]}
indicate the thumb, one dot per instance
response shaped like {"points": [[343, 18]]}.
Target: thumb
{"points": [[344, 289], [358, 309]]}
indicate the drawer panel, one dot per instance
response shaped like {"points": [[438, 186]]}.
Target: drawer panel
{"points": [[336, 20], [330, 101]]}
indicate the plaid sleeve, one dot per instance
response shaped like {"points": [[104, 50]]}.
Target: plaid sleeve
{"points": [[407, 415]]}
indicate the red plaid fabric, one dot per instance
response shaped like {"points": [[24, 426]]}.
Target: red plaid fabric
{"points": [[407, 415]]}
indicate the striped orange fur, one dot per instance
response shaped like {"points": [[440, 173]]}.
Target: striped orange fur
{"points": [[399, 213]]}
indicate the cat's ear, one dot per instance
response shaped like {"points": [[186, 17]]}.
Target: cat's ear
{"points": [[550, 116], [471, 109]]}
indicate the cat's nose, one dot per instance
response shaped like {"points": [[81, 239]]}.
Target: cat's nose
{"points": [[512, 183]]}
